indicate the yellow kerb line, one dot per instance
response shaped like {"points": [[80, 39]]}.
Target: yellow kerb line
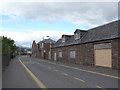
{"points": [[90, 71], [38, 82], [102, 74]]}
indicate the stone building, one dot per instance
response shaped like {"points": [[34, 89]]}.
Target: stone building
{"points": [[97, 47], [42, 49], [34, 49]]}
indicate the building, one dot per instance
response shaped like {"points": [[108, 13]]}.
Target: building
{"points": [[96, 47], [34, 49], [21, 51], [42, 49]]}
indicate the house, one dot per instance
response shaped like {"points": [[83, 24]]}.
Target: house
{"points": [[21, 51], [42, 49], [34, 49], [96, 47]]}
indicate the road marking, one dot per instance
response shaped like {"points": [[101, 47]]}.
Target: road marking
{"points": [[102, 74], [49, 68], [100, 87], [50, 62], [93, 72], [44, 66], [65, 74], [55, 70], [38, 82], [79, 79]]}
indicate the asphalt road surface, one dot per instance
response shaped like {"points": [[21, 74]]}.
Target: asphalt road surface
{"points": [[29, 72]]}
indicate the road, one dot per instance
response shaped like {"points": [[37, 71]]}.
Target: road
{"points": [[28, 72]]}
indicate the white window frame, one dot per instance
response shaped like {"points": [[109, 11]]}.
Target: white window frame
{"points": [[77, 36], [60, 54], [73, 54], [63, 39], [42, 45]]}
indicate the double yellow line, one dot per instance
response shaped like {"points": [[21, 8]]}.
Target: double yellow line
{"points": [[37, 81]]}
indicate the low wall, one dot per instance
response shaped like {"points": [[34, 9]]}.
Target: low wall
{"points": [[5, 61]]}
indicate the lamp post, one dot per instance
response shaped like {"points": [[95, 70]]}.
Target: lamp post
{"points": [[50, 47]]}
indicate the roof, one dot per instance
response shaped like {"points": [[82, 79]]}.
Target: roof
{"points": [[47, 41], [104, 32], [78, 30]]}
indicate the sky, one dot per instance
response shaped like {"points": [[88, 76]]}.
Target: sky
{"points": [[28, 21]]}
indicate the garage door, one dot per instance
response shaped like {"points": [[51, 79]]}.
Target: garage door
{"points": [[103, 57]]}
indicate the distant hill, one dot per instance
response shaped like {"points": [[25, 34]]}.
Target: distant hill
{"points": [[28, 48]]}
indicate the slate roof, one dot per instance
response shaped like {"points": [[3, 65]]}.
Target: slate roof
{"points": [[104, 32], [47, 41]]}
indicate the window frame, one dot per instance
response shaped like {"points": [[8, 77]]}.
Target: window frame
{"points": [[60, 55], [77, 36], [63, 39], [72, 54]]}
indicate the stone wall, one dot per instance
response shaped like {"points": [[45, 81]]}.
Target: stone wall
{"points": [[85, 53], [115, 53]]}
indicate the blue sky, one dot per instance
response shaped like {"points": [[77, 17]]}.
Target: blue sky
{"points": [[23, 25], [25, 21]]}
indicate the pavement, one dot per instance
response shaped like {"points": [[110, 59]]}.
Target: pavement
{"points": [[29, 72]]}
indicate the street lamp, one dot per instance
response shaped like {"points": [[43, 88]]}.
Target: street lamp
{"points": [[50, 47]]}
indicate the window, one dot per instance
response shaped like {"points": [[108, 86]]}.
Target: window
{"points": [[77, 35], [60, 54], [63, 39], [42, 45], [72, 54], [38, 45]]}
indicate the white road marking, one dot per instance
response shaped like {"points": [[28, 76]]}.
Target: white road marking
{"points": [[79, 79], [65, 74], [55, 70]]}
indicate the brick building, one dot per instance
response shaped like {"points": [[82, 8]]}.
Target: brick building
{"points": [[97, 46]]}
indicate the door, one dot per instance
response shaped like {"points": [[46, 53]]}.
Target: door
{"points": [[55, 56], [103, 57]]}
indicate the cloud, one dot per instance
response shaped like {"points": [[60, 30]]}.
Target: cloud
{"points": [[26, 38], [81, 13], [89, 14]]}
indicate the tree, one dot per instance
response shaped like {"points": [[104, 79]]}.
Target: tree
{"points": [[8, 45]]}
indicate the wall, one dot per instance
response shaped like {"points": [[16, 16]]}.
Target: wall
{"points": [[85, 53], [115, 53], [5, 60]]}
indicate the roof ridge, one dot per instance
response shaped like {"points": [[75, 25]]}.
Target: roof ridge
{"points": [[94, 28]]}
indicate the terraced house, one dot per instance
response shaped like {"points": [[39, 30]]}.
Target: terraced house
{"points": [[97, 47]]}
